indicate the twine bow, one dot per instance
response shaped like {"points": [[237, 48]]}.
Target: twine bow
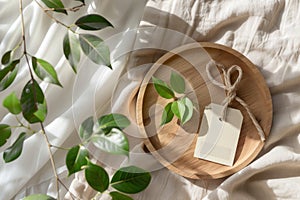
{"points": [[231, 93]]}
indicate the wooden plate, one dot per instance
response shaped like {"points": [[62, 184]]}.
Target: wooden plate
{"points": [[173, 145]]}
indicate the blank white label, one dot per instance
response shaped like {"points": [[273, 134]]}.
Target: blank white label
{"points": [[217, 140]]}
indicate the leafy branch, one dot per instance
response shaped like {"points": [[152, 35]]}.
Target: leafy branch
{"points": [[181, 106], [106, 133]]}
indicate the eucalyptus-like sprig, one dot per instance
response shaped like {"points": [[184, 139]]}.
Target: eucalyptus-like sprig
{"points": [[182, 107], [106, 133]]}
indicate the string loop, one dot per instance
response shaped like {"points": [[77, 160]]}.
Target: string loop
{"points": [[231, 89]]}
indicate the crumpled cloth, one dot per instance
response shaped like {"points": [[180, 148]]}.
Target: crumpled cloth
{"points": [[266, 32]]}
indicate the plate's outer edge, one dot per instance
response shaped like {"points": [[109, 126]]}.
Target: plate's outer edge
{"points": [[139, 107]]}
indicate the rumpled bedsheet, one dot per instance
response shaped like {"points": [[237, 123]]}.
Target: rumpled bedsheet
{"points": [[266, 32]]}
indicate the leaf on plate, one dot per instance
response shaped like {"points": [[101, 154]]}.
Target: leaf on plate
{"points": [[167, 115], [178, 108], [189, 108], [92, 22], [15, 150], [71, 48], [33, 103], [12, 103], [177, 83], [95, 49], [130, 180], [162, 88], [45, 71]]}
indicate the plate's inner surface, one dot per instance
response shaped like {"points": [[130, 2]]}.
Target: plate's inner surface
{"points": [[174, 145]]}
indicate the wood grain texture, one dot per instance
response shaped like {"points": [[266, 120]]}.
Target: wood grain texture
{"points": [[173, 145]]}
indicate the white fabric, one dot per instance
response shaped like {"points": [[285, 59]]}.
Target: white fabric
{"points": [[267, 32], [32, 172]]}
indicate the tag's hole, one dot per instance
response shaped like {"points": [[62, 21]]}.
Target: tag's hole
{"points": [[220, 119]]}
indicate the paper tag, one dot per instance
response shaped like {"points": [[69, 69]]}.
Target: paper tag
{"points": [[217, 140]]}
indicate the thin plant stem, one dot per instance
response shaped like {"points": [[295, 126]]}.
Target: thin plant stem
{"points": [[34, 94], [71, 194], [72, 9], [51, 159], [53, 18]]}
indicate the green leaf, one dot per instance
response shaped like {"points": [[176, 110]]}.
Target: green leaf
{"points": [[92, 22], [8, 75], [15, 150], [57, 5], [177, 83], [76, 158], [130, 179], [5, 133], [33, 103], [12, 103], [119, 196], [178, 108], [162, 88], [71, 49], [38, 197], [86, 128], [96, 177], [114, 142], [45, 71], [6, 58], [189, 108], [95, 49], [110, 121], [167, 115]]}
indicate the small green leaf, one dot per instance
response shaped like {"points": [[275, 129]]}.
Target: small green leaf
{"points": [[167, 115], [8, 75], [119, 196], [114, 120], [12, 103], [5, 133], [33, 103], [15, 150], [189, 108], [114, 142], [38, 197], [6, 58], [45, 71], [96, 177], [76, 158], [71, 49], [178, 108], [177, 83], [95, 49], [57, 5], [86, 128], [130, 180], [92, 22], [162, 88]]}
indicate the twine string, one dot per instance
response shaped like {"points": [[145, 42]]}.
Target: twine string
{"points": [[231, 89]]}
